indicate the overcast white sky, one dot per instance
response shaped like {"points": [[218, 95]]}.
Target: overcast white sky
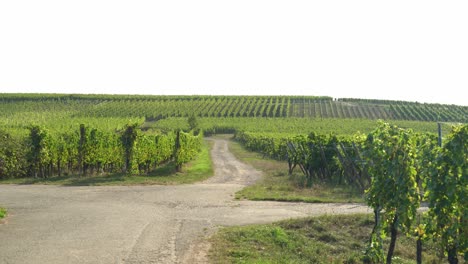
{"points": [[404, 50]]}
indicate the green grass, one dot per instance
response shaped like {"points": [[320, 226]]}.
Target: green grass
{"points": [[197, 170], [3, 212], [324, 239], [277, 185], [294, 125]]}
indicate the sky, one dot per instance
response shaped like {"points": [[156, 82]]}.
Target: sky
{"points": [[397, 50]]}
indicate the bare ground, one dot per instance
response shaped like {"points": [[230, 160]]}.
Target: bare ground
{"points": [[137, 224]]}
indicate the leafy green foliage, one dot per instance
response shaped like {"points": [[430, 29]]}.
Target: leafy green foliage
{"points": [[39, 155], [12, 156], [193, 122], [128, 138], [187, 146], [159, 107], [200, 168], [91, 151], [277, 185], [322, 158], [393, 193], [3, 212], [290, 126], [402, 165], [447, 193]]}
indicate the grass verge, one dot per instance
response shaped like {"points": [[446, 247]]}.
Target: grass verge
{"points": [[324, 239], [277, 185], [3, 212], [197, 170]]}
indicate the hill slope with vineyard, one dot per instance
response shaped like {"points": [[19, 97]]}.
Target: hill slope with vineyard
{"points": [[160, 107]]}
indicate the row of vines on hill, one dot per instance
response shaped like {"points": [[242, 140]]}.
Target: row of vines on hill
{"points": [[202, 107], [152, 107], [288, 126], [160, 107], [397, 168], [320, 157], [395, 110], [89, 150]]}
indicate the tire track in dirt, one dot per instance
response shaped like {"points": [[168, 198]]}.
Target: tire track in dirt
{"points": [[228, 169]]}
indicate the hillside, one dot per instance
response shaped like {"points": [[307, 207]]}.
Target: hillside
{"points": [[160, 107]]}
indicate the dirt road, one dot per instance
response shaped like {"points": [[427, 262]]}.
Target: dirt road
{"points": [[137, 224]]}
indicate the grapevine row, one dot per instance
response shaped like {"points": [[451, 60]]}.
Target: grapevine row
{"points": [[159, 107], [397, 168], [87, 150]]}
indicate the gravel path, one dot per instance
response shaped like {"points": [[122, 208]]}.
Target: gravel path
{"points": [[137, 224]]}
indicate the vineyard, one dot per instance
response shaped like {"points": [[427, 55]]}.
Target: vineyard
{"points": [[52, 134], [396, 164], [290, 126], [160, 107], [397, 169], [87, 151]]}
